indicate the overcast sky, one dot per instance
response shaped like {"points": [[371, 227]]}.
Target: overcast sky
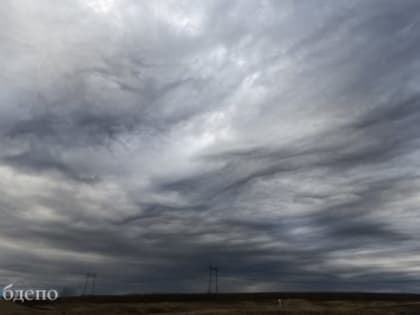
{"points": [[144, 141]]}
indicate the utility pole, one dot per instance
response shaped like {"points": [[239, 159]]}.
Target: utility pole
{"points": [[93, 283], [210, 276], [213, 285], [216, 269], [86, 284]]}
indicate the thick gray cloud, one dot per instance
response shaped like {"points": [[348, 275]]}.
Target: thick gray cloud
{"points": [[145, 141]]}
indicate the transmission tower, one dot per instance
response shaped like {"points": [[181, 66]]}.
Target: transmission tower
{"points": [[90, 280], [213, 284]]}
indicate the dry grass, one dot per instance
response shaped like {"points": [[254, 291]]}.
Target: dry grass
{"points": [[290, 306]]}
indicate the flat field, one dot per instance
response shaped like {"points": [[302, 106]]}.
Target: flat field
{"points": [[225, 304]]}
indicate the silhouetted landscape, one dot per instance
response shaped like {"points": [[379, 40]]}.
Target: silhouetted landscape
{"points": [[228, 304]]}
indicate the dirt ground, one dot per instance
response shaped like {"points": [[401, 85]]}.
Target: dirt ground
{"points": [[288, 306]]}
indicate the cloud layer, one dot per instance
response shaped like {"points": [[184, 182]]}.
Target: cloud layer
{"points": [[278, 140]]}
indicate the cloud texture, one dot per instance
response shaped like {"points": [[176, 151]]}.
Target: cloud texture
{"points": [[143, 141]]}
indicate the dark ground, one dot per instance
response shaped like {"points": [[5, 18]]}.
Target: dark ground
{"points": [[225, 304]]}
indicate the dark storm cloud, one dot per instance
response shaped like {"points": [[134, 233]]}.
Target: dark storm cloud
{"points": [[147, 141]]}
